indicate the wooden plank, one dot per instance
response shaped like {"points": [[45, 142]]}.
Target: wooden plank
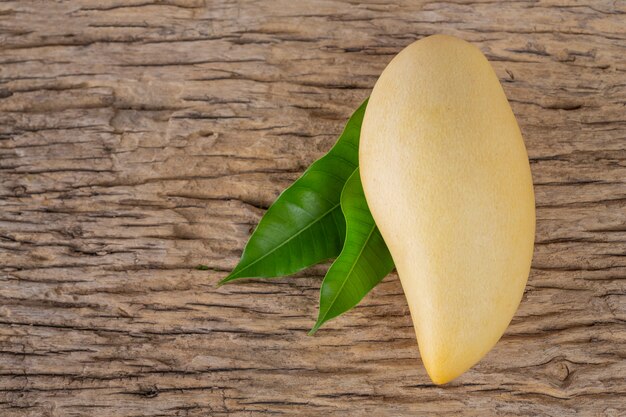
{"points": [[139, 138]]}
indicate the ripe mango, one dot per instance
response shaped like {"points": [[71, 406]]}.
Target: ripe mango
{"points": [[447, 179]]}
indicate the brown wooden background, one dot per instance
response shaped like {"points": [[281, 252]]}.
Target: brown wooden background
{"points": [[139, 138]]}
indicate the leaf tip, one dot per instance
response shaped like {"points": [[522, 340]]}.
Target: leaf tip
{"points": [[230, 277], [315, 328]]}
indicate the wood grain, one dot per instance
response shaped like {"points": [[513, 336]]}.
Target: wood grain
{"points": [[139, 138]]}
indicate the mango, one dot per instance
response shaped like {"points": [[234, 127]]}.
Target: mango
{"points": [[447, 179]]}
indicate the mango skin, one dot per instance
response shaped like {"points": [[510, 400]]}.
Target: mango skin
{"points": [[447, 179]]}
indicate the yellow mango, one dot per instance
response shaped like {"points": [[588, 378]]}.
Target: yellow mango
{"points": [[447, 179]]}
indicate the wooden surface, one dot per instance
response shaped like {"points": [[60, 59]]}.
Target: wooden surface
{"points": [[139, 138]]}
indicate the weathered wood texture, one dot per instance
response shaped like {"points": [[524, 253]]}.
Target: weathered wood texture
{"points": [[139, 138]]}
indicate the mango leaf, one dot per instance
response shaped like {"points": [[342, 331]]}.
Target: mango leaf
{"points": [[364, 261], [305, 224]]}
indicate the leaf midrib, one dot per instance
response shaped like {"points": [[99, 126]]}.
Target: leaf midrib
{"points": [[235, 273], [369, 235]]}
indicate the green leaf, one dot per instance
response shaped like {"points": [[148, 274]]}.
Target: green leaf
{"points": [[363, 262], [305, 224], [202, 267]]}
